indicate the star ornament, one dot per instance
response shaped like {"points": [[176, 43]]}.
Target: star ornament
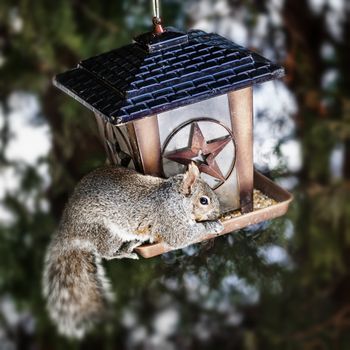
{"points": [[201, 152]]}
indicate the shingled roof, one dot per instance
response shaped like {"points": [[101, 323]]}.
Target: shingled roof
{"points": [[159, 73]]}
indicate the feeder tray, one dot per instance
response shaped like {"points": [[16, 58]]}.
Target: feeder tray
{"points": [[278, 203]]}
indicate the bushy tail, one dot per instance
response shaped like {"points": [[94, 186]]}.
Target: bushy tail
{"points": [[75, 288]]}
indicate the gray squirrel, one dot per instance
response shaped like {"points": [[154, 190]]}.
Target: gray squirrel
{"points": [[112, 211]]}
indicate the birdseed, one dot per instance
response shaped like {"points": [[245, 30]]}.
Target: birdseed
{"points": [[260, 201]]}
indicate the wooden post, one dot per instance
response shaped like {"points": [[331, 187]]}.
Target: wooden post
{"points": [[145, 134], [241, 111]]}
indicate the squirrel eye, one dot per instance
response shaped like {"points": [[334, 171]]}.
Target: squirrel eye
{"points": [[204, 200]]}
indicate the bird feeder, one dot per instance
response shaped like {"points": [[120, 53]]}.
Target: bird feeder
{"points": [[171, 98]]}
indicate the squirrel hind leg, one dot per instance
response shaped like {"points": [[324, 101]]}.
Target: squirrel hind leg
{"points": [[111, 246]]}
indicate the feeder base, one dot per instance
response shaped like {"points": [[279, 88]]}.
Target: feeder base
{"points": [[263, 184]]}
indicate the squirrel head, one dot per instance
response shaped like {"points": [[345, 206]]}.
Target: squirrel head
{"points": [[205, 204]]}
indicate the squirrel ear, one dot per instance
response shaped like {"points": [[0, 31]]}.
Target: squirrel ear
{"points": [[190, 177]]}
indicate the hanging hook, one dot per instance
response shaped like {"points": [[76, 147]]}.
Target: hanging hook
{"points": [[157, 21]]}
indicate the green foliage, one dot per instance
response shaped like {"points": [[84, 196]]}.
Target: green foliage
{"points": [[228, 293]]}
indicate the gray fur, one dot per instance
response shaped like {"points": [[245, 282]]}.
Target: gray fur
{"points": [[112, 211]]}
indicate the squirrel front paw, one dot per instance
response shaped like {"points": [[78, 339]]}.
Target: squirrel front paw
{"points": [[214, 227]]}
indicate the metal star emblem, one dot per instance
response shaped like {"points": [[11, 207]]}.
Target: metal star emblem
{"points": [[201, 152]]}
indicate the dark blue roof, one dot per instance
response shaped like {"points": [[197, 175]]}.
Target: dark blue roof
{"points": [[157, 74]]}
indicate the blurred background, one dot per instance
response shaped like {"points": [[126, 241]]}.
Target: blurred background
{"points": [[284, 284]]}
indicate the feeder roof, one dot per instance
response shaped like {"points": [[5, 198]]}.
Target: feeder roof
{"points": [[159, 73]]}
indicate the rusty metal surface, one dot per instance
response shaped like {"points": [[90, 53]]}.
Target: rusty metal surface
{"points": [[241, 110], [116, 143], [102, 133], [263, 184], [146, 132], [201, 151], [134, 146]]}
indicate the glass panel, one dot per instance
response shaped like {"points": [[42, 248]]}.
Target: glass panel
{"points": [[202, 132]]}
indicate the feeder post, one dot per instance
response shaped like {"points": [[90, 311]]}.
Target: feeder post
{"points": [[144, 134], [241, 111]]}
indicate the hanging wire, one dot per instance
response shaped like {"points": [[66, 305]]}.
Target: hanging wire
{"points": [[156, 11], [157, 21]]}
